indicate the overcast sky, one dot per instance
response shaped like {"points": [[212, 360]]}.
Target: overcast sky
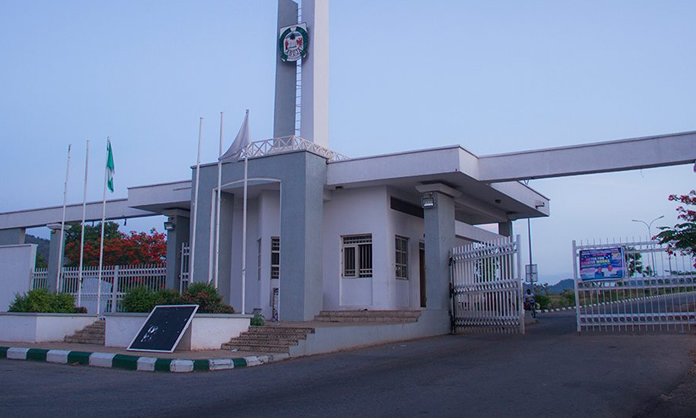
{"points": [[492, 76]]}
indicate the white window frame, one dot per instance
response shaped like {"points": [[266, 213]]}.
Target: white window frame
{"points": [[401, 257], [356, 253]]}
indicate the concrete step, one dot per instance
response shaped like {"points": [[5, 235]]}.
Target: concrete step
{"points": [[255, 341], [378, 316], [269, 339], [375, 312], [384, 320], [278, 329], [266, 335], [257, 349], [85, 340], [91, 334]]}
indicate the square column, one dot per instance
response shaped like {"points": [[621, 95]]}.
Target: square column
{"points": [[314, 124], [286, 77], [53, 256], [438, 209], [301, 215], [12, 236], [177, 234]]}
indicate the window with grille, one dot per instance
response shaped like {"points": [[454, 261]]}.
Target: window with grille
{"points": [[275, 257], [357, 256], [258, 259], [401, 260]]}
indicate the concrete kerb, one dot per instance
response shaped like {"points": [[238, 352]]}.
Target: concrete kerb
{"points": [[130, 362], [572, 308]]}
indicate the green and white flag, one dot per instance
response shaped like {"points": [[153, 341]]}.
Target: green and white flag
{"points": [[109, 166]]}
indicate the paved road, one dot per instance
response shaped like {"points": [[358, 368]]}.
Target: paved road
{"points": [[549, 372]]}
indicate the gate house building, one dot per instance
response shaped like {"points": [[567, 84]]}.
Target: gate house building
{"points": [[326, 232]]}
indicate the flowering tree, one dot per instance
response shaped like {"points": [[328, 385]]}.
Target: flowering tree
{"points": [[682, 236], [119, 249]]}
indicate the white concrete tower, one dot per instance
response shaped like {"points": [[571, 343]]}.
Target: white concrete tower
{"points": [[314, 110]]}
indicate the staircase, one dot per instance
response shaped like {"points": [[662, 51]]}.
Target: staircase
{"points": [[365, 316], [91, 334], [268, 339]]}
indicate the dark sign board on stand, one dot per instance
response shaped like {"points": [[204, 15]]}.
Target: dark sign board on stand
{"points": [[163, 328]]}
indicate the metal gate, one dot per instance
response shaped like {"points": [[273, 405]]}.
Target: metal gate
{"points": [[486, 287], [648, 291]]}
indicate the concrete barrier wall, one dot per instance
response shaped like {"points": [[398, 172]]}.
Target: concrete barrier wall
{"points": [[342, 337], [207, 331], [16, 266], [210, 331], [38, 328]]}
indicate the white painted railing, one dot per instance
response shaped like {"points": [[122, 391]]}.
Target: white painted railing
{"points": [[39, 279], [657, 291], [288, 144], [115, 282]]}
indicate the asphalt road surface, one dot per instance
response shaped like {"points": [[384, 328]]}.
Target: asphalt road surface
{"points": [[550, 372]]}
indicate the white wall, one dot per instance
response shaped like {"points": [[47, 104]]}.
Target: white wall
{"points": [[346, 212], [252, 290], [405, 293], [368, 211], [355, 212], [16, 267], [37, 328], [269, 226]]}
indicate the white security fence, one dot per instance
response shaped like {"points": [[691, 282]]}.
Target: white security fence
{"points": [[39, 279], [487, 287], [115, 282], [633, 287]]}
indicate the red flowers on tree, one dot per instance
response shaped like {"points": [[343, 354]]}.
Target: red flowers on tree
{"points": [[682, 237], [135, 248]]}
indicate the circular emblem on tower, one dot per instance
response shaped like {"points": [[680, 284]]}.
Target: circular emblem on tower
{"points": [[293, 42]]}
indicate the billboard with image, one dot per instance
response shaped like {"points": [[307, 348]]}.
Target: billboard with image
{"points": [[602, 264]]}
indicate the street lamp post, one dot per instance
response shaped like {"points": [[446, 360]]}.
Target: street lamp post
{"points": [[649, 226]]}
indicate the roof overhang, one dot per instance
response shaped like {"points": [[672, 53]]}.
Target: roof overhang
{"points": [[476, 202]]}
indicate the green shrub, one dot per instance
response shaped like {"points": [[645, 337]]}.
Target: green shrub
{"points": [[139, 299], [257, 321], [207, 298], [168, 297], [568, 297], [41, 300], [543, 301]]}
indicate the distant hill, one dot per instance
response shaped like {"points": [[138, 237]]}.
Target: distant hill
{"points": [[565, 284], [43, 245]]}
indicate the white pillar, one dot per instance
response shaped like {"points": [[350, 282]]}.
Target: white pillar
{"points": [[315, 74]]}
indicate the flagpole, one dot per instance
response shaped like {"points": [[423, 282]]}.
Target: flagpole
{"points": [[62, 224], [195, 203], [244, 233], [217, 210], [239, 146], [101, 242], [82, 233], [211, 236]]}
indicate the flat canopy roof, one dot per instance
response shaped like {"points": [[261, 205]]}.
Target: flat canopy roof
{"points": [[454, 166], [487, 187]]}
